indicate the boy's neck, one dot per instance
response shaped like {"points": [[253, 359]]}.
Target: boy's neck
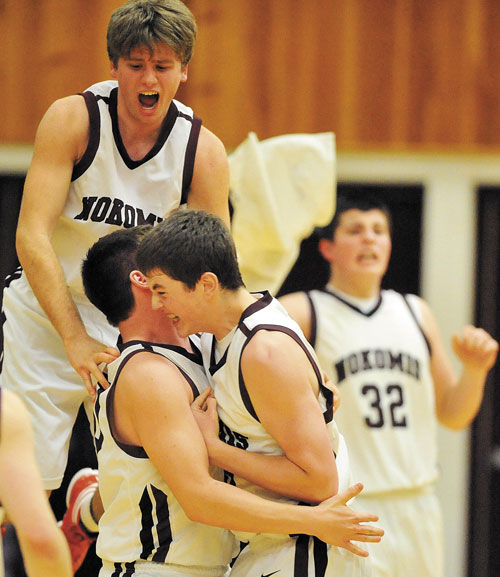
{"points": [[152, 330], [358, 288], [232, 304]]}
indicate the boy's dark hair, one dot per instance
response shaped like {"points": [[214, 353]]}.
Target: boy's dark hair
{"points": [[349, 201], [149, 22], [189, 243], [106, 270]]}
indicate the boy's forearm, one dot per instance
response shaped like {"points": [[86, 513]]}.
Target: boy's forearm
{"points": [[273, 472]]}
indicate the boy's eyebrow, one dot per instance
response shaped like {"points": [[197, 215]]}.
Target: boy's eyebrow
{"points": [[165, 60]]}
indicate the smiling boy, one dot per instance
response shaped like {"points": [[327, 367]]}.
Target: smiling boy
{"points": [[277, 436]]}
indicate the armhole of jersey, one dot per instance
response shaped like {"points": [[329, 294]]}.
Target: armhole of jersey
{"points": [[189, 158], [414, 315], [328, 394], [94, 136], [242, 386], [147, 349], [314, 322], [132, 450], [189, 380]]}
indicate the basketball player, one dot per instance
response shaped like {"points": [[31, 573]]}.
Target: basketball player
{"points": [[154, 477], [276, 413], [384, 352], [120, 154], [44, 548]]}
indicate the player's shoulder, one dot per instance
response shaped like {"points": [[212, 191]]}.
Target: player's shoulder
{"points": [[296, 303], [210, 146], [267, 346], [148, 363], [416, 303], [295, 299], [68, 117], [393, 297], [68, 106]]}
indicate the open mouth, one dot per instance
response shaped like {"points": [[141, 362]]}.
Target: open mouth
{"points": [[148, 99]]}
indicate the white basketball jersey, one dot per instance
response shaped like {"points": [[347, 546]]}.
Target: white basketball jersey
{"points": [[109, 190], [239, 424], [142, 519], [380, 361]]}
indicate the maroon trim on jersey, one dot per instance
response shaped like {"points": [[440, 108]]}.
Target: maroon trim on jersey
{"points": [[155, 518], [165, 130], [314, 321], [213, 365], [123, 569], [190, 156], [259, 304], [327, 393], [301, 560], [350, 305], [414, 316], [265, 299], [94, 135], [132, 450], [195, 357]]}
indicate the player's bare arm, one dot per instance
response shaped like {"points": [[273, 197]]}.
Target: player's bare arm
{"points": [[281, 384], [458, 399], [210, 184], [60, 141], [159, 410], [44, 548], [298, 307]]}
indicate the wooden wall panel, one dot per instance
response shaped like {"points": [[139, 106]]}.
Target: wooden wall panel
{"points": [[488, 84], [50, 48], [385, 74]]}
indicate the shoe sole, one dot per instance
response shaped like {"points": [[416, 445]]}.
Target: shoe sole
{"points": [[84, 492]]}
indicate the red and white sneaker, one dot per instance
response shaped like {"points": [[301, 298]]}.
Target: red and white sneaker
{"points": [[82, 484]]}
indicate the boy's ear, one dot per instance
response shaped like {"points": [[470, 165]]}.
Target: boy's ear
{"points": [[137, 278], [325, 249], [184, 74], [209, 282]]}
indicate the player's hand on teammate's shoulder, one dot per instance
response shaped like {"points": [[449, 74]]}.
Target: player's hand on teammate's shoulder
{"points": [[86, 354], [475, 348]]}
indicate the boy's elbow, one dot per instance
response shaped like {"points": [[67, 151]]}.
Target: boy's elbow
{"points": [[192, 504], [42, 542], [454, 424], [193, 513], [320, 489], [20, 243]]}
